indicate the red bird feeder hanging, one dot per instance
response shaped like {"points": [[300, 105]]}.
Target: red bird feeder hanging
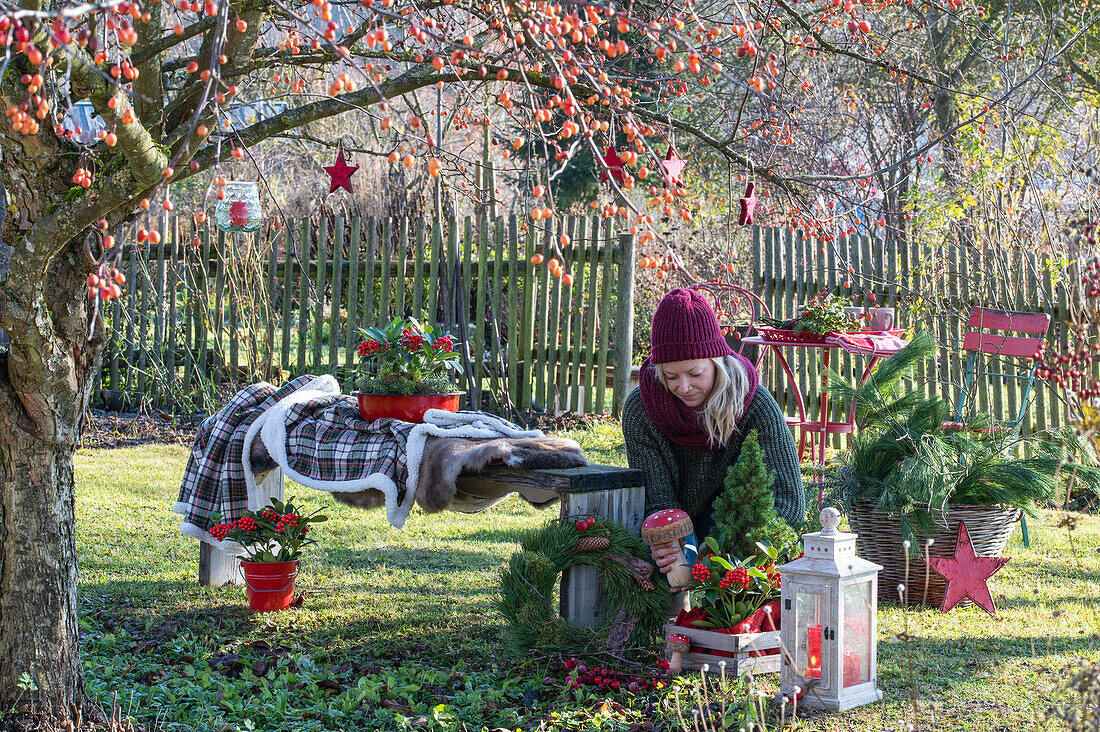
{"points": [[748, 206]]}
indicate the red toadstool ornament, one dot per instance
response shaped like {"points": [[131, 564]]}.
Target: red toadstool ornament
{"points": [[668, 527], [340, 173], [678, 644]]}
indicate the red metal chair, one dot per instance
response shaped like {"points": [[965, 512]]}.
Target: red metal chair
{"points": [[732, 303], [982, 345], [991, 350]]}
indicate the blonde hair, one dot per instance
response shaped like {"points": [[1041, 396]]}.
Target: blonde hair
{"points": [[726, 404]]}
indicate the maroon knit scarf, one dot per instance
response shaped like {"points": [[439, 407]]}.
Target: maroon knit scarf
{"points": [[677, 421]]}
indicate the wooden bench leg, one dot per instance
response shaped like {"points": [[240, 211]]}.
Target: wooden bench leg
{"points": [[583, 599], [219, 567]]}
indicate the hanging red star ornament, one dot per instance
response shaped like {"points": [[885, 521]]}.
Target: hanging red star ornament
{"points": [[966, 574], [748, 206], [341, 174], [614, 164], [673, 166]]}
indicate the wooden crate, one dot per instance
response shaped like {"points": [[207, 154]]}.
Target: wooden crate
{"points": [[739, 645]]}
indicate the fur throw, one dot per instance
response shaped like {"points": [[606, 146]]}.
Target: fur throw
{"points": [[445, 458]]}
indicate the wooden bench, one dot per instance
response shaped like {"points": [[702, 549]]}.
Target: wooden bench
{"points": [[594, 490]]}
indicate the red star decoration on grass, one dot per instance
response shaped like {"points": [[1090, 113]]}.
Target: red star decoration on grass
{"points": [[748, 206], [614, 164], [340, 173], [674, 166], [966, 574]]}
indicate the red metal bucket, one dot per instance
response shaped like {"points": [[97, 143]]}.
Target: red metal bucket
{"points": [[270, 584]]}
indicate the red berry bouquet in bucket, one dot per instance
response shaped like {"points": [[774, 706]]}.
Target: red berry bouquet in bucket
{"points": [[405, 370], [272, 539]]}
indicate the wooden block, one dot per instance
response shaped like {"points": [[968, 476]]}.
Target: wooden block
{"points": [[218, 567]]}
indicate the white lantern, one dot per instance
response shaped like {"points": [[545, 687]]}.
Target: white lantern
{"points": [[240, 210], [829, 626]]}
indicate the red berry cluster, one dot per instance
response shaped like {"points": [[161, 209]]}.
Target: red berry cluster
{"points": [[700, 573], [738, 577], [445, 344], [221, 531], [774, 577], [1091, 278], [369, 348], [586, 523], [247, 523], [608, 678], [290, 521], [412, 339], [1070, 368]]}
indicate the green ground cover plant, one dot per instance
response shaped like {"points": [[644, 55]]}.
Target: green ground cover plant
{"points": [[399, 629]]}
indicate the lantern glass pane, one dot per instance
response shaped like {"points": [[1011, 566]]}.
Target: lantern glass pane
{"points": [[857, 633], [240, 210], [807, 620]]}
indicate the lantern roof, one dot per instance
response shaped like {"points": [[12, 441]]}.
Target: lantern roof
{"points": [[829, 552]]}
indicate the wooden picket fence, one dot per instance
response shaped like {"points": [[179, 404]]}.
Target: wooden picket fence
{"points": [[931, 290], [240, 307]]}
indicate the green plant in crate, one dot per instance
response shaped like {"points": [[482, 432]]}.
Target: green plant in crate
{"points": [[407, 357]]}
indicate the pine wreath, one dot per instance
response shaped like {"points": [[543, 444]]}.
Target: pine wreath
{"points": [[636, 593]]}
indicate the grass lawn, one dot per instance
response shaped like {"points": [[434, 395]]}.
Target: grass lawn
{"points": [[399, 631]]}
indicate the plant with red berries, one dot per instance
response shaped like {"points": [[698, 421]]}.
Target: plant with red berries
{"points": [[275, 533], [729, 590], [407, 357]]}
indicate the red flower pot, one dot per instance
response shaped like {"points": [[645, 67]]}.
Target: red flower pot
{"points": [[270, 584], [406, 407]]}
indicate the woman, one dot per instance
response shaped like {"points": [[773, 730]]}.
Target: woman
{"points": [[685, 423]]}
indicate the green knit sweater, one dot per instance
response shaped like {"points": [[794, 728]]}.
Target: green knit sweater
{"points": [[680, 477]]}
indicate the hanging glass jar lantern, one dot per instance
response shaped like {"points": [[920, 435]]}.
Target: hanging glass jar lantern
{"points": [[240, 210], [829, 627]]}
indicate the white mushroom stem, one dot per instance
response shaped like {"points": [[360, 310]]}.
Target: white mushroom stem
{"points": [[679, 576], [676, 664], [676, 647]]}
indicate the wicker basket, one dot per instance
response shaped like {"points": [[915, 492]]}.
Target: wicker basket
{"points": [[880, 541]]}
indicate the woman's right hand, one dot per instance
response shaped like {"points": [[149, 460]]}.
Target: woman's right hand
{"points": [[665, 556]]}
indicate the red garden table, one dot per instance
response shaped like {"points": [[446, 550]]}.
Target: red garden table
{"points": [[822, 426]]}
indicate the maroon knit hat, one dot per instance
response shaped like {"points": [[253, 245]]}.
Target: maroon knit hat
{"points": [[685, 328]]}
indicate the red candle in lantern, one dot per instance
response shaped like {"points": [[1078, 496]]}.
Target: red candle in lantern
{"points": [[813, 640], [238, 214]]}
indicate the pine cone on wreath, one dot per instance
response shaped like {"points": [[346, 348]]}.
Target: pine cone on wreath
{"points": [[593, 543]]}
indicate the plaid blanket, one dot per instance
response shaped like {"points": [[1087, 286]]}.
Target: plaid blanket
{"points": [[213, 482], [316, 436]]}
